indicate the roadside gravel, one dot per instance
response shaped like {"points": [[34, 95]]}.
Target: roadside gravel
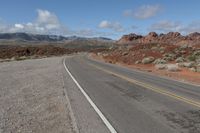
{"points": [[32, 97]]}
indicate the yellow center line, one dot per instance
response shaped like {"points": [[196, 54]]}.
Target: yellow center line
{"points": [[150, 87]]}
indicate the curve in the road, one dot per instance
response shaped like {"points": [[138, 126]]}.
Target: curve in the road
{"points": [[106, 122], [150, 87]]}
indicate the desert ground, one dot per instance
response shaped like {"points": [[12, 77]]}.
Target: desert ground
{"points": [[32, 97]]}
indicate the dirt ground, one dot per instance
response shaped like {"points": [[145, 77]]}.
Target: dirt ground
{"points": [[184, 75], [32, 97]]}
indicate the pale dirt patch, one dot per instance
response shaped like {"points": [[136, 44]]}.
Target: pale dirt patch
{"points": [[32, 97]]}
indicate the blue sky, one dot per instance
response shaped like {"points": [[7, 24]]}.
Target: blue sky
{"points": [[109, 18]]}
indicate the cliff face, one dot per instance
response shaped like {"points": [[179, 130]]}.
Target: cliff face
{"points": [[170, 38]]}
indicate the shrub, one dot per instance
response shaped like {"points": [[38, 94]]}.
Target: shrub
{"points": [[191, 58]]}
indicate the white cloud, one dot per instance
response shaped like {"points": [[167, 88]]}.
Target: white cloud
{"points": [[144, 12], [45, 23], [166, 26], [47, 20], [19, 26], [90, 33], [116, 26], [29, 24], [192, 27], [104, 24]]}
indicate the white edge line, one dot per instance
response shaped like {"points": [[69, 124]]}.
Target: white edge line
{"points": [[106, 122], [74, 124]]}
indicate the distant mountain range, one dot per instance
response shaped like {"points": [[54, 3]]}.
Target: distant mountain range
{"points": [[46, 38]]}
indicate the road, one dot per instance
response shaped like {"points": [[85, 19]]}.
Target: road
{"points": [[131, 101]]}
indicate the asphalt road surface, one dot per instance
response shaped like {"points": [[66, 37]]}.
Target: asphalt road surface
{"points": [[128, 101]]}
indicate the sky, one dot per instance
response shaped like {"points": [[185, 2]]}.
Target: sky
{"points": [[93, 18]]}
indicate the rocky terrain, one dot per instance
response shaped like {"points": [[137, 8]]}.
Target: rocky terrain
{"points": [[32, 51], [20, 46], [170, 52], [174, 38], [10, 53]]}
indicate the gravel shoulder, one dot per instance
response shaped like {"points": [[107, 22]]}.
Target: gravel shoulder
{"points": [[32, 97]]}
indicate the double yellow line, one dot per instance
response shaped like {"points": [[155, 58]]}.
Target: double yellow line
{"points": [[150, 87]]}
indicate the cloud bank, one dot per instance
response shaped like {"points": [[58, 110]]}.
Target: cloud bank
{"points": [[167, 26], [47, 22], [115, 26], [144, 12]]}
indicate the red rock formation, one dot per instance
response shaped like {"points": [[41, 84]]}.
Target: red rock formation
{"points": [[170, 38], [128, 38]]}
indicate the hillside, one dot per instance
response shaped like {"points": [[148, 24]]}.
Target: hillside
{"points": [[171, 51], [170, 38], [48, 38]]}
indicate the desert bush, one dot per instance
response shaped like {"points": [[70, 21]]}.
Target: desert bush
{"points": [[191, 58], [160, 61]]}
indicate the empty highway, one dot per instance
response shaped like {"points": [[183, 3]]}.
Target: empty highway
{"points": [[128, 101]]}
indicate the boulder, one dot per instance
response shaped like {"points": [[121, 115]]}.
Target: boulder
{"points": [[188, 64], [196, 53], [180, 64], [148, 60], [172, 67], [198, 69], [184, 46], [160, 66], [179, 59], [198, 60], [138, 62], [192, 69], [155, 48], [124, 53], [162, 51]]}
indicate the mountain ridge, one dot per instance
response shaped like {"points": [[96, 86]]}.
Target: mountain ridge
{"points": [[170, 38], [21, 36]]}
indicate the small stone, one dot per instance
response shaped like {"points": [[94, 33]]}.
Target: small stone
{"points": [[138, 62]]}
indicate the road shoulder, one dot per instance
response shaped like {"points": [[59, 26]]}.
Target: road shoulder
{"points": [[85, 116], [32, 97]]}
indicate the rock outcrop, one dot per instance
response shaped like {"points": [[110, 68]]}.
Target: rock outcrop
{"points": [[129, 38], [170, 38]]}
